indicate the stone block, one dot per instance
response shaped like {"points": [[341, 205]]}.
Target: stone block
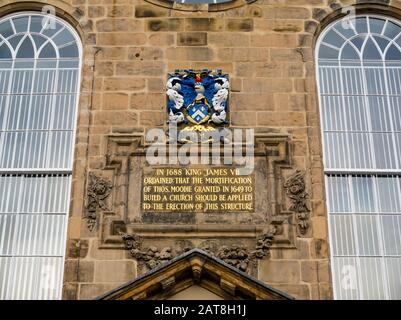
{"points": [[78, 271], [150, 10], [115, 101], [239, 25], [279, 271], [77, 248], [120, 39], [123, 84], [89, 291], [145, 53], [171, 24], [109, 118], [140, 68], [148, 101], [104, 254], [192, 39], [298, 291], [309, 271], [204, 24], [115, 271]]}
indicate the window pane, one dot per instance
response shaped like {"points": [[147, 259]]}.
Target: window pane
{"points": [[38, 101], [361, 112]]}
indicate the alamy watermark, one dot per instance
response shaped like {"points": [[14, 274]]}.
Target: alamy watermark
{"points": [[222, 146], [49, 20]]}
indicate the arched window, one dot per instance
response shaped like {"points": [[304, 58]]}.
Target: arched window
{"points": [[359, 80], [39, 84]]}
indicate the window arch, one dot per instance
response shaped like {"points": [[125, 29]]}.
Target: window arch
{"points": [[40, 61], [359, 80]]}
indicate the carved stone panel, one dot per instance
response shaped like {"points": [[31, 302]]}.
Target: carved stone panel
{"points": [[240, 237]]}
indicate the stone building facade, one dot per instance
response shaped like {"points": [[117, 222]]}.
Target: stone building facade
{"points": [[267, 48]]}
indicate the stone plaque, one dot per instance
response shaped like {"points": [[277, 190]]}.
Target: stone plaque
{"points": [[214, 190]]}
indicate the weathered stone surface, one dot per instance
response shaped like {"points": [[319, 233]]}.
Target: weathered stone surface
{"points": [[114, 271], [79, 271], [309, 271], [89, 291], [123, 84], [280, 271], [267, 49], [192, 39], [77, 248]]}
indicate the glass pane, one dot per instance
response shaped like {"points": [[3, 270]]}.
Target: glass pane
{"points": [[6, 29], [392, 234], [363, 194], [361, 25], [30, 278], [63, 37], [345, 28], [366, 233], [345, 278], [392, 30], [343, 238], [372, 279], [70, 51], [359, 41], [338, 194], [334, 39], [5, 52], [349, 53], [36, 24], [356, 114], [26, 50], [371, 52], [326, 52], [38, 40], [393, 53], [21, 24], [394, 277], [376, 25], [48, 51], [383, 43], [15, 40]]}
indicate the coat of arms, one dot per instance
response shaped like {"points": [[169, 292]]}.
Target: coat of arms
{"points": [[197, 100]]}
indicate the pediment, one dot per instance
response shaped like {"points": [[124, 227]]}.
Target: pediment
{"points": [[198, 275]]}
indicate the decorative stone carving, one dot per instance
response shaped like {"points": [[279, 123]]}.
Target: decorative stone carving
{"points": [[235, 255], [295, 186], [263, 244], [96, 194], [131, 241], [152, 256]]}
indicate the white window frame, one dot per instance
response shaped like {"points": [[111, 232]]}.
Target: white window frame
{"points": [[55, 171]]}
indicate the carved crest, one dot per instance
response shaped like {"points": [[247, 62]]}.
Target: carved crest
{"points": [[96, 194], [198, 100], [295, 186]]}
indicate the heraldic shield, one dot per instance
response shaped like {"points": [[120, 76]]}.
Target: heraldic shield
{"points": [[198, 100], [198, 111]]}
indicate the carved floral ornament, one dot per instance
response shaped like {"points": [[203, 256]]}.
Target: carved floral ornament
{"points": [[235, 255], [97, 192], [295, 186]]}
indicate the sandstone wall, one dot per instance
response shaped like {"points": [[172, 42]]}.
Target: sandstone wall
{"points": [[266, 47]]}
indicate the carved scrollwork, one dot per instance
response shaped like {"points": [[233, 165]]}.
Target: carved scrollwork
{"points": [[235, 255], [263, 244], [152, 256], [295, 186], [97, 192]]}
